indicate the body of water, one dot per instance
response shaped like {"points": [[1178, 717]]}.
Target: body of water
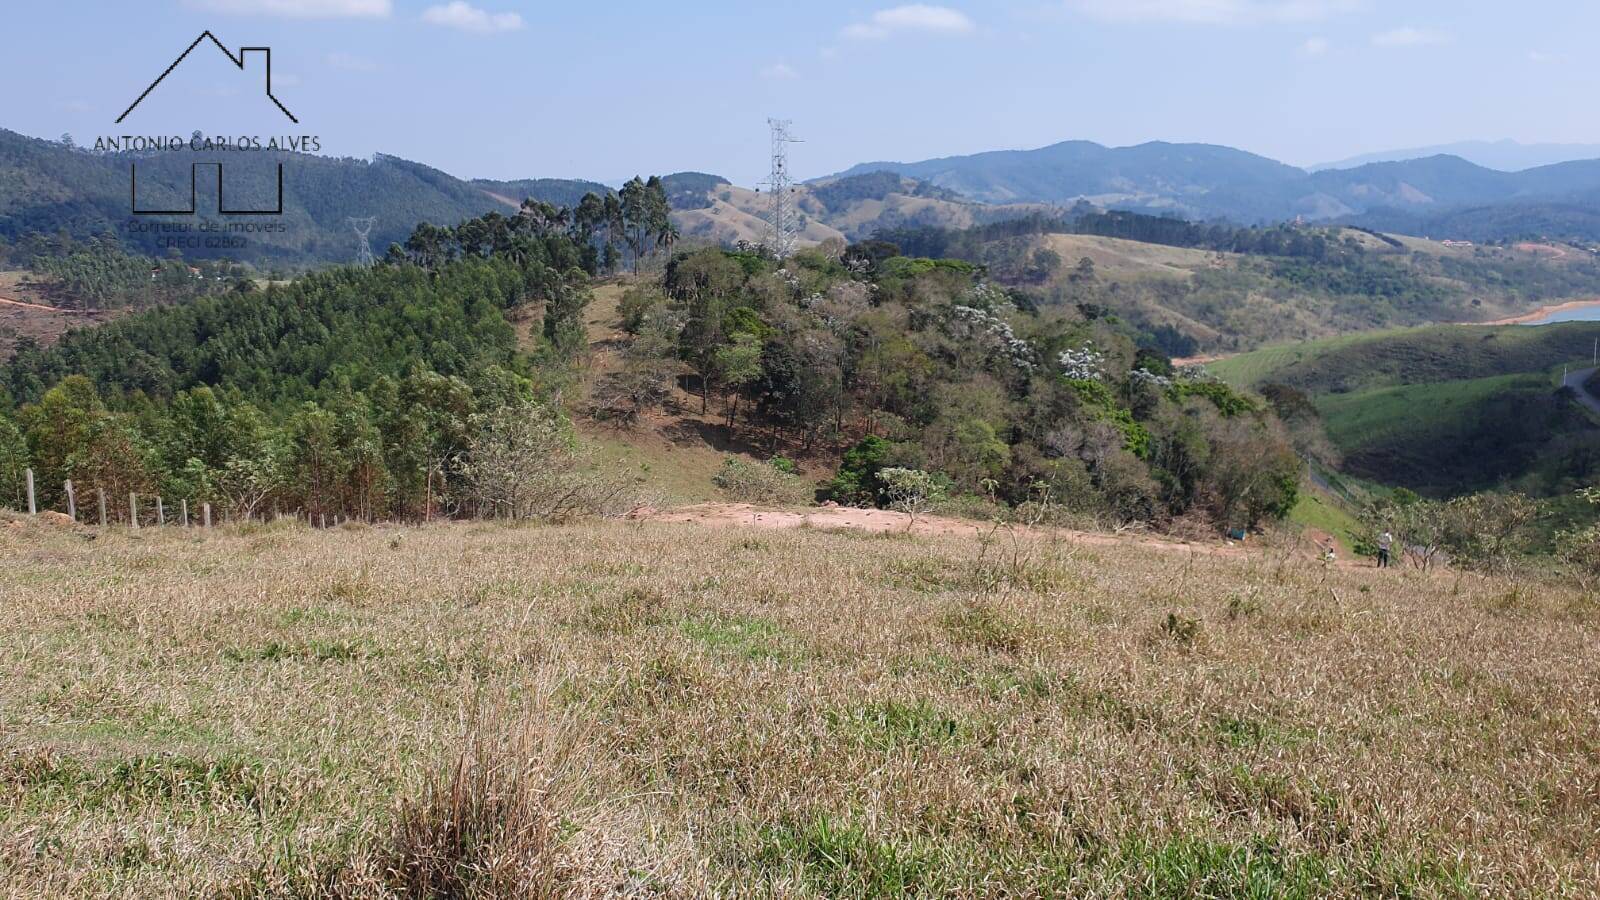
{"points": [[1589, 313]]}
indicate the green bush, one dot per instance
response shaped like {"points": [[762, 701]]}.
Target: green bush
{"points": [[768, 482], [857, 480]]}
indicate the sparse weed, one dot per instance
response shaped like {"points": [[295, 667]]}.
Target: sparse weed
{"points": [[749, 637], [891, 723], [1182, 631], [623, 613], [1243, 607], [978, 624]]}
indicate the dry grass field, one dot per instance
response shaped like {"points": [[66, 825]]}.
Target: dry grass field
{"points": [[653, 709]]}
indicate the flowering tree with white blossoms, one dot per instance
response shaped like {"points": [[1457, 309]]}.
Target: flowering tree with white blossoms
{"points": [[1083, 364]]}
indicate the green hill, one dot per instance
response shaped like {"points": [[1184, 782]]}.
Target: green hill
{"points": [[1428, 355], [1444, 410], [47, 187]]}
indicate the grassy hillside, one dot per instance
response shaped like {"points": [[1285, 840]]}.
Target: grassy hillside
{"points": [[1456, 436], [1445, 410], [1205, 289], [850, 209], [1123, 259], [276, 711], [1413, 356]]}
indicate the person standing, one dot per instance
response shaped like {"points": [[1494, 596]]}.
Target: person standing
{"points": [[1385, 544]]}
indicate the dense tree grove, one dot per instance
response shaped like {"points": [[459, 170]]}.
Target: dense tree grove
{"points": [[98, 273], [924, 365], [349, 393]]}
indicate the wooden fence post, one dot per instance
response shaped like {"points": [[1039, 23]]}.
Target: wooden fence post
{"points": [[33, 507], [72, 501], [205, 512], [183, 512], [161, 512], [133, 510], [101, 494]]}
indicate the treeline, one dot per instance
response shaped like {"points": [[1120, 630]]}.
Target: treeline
{"points": [[98, 273], [924, 365], [608, 229], [362, 393]]}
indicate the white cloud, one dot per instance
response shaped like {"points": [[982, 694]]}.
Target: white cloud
{"points": [[351, 63], [301, 9], [1410, 37], [1214, 12], [780, 72], [915, 17], [1539, 56], [1317, 46], [463, 15]]}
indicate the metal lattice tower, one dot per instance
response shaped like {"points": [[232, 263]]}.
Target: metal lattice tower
{"points": [[363, 228], [783, 221]]}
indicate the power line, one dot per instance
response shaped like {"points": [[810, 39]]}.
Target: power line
{"points": [[363, 228], [783, 220]]}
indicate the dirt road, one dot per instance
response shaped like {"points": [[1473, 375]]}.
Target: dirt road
{"points": [[7, 301], [1579, 381], [881, 521]]}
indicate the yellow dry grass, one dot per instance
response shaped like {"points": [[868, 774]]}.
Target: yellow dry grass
{"points": [[653, 709], [1120, 258]]}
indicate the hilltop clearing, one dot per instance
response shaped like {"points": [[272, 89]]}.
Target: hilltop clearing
{"points": [[724, 712], [850, 209]]}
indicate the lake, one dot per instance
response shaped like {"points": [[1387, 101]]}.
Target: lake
{"points": [[1587, 313]]}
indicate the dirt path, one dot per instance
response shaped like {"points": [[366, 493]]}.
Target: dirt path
{"points": [[7, 301], [1579, 382], [1204, 360], [880, 521], [1541, 313]]}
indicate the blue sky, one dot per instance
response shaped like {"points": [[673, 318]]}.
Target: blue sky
{"points": [[507, 89]]}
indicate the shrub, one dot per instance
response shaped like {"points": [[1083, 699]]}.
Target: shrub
{"points": [[491, 825], [773, 482], [857, 481], [525, 463], [911, 491]]}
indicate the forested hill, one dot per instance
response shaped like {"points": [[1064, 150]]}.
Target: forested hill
{"points": [[345, 326], [352, 392], [47, 187]]}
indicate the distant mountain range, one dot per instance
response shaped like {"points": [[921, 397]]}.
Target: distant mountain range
{"points": [[1507, 156], [1203, 181], [47, 187]]}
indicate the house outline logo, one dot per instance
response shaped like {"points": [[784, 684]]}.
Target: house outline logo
{"points": [[194, 195], [238, 62]]}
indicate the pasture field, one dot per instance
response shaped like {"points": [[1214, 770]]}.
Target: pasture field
{"points": [[664, 710], [1427, 355], [1419, 414]]}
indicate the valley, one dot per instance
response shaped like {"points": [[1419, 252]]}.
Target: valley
{"points": [[604, 553]]}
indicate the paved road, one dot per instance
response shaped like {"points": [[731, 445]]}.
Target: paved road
{"points": [[1576, 381]]}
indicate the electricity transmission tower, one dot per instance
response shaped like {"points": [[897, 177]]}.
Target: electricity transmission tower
{"points": [[363, 227], [783, 221]]}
